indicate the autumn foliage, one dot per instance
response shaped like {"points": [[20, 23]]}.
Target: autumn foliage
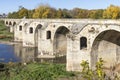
{"points": [[46, 11]]}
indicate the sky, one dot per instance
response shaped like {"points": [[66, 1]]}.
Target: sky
{"points": [[7, 6]]}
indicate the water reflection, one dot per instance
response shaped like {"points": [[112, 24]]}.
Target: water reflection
{"points": [[18, 53], [7, 54], [26, 54]]}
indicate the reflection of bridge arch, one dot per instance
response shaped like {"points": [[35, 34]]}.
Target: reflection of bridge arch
{"points": [[60, 40]]}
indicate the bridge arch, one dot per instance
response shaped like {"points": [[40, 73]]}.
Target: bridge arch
{"points": [[83, 42], [48, 35], [106, 45], [31, 30], [60, 41], [14, 23], [6, 22], [10, 23], [95, 49], [36, 32], [19, 31], [20, 28]]}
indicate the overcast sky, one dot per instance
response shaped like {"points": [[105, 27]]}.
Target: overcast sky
{"points": [[13, 5]]}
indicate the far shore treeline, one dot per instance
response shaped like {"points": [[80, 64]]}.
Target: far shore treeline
{"points": [[46, 11]]}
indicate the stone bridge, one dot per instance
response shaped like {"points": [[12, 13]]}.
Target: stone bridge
{"points": [[78, 39]]}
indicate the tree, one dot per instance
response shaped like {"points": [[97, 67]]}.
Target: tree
{"points": [[79, 13], [99, 13], [96, 14], [13, 15], [30, 13], [66, 13], [63, 13], [44, 11], [49, 13], [112, 12], [83, 13], [23, 12], [74, 12], [59, 13]]}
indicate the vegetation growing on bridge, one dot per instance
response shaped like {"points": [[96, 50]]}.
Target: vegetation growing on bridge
{"points": [[46, 11], [5, 35]]}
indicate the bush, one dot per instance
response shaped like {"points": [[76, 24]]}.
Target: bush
{"points": [[98, 73]]}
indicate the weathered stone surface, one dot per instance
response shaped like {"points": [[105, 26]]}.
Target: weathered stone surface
{"points": [[79, 39]]}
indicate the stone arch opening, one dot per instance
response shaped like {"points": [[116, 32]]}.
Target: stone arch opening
{"points": [[83, 42], [60, 41], [25, 24], [20, 28], [14, 23], [10, 23], [48, 35], [37, 30], [30, 30], [106, 46], [7, 22]]}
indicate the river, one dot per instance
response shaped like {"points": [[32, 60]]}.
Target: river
{"points": [[7, 54], [18, 53]]}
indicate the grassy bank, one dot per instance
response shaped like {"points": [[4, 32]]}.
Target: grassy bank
{"points": [[50, 71], [35, 71], [5, 35]]}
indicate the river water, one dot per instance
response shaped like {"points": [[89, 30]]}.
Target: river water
{"points": [[7, 54], [18, 53]]}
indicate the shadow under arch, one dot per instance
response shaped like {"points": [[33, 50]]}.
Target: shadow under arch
{"points": [[6, 22], [60, 41], [10, 23], [14, 23], [36, 32], [106, 46]]}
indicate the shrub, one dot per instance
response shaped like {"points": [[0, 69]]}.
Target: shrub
{"points": [[98, 73]]}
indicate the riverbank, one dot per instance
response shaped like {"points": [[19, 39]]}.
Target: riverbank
{"points": [[8, 42], [35, 71], [5, 35], [51, 71]]}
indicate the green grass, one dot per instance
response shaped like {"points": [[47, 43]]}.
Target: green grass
{"points": [[5, 35], [35, 71]]}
